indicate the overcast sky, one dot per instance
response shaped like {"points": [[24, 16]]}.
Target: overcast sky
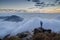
{"points": [[15, 4], [45, 5]]}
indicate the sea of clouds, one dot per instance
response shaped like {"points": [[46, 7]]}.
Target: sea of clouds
{"points": [[28, 24]]}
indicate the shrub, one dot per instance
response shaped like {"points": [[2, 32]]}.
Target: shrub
{"points": [[40, 36], [57, 37], [13, 38]]}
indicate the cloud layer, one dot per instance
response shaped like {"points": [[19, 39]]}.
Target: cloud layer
{"points": [[46, 3]]}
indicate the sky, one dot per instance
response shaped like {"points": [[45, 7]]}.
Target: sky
{"points": [[43, 6]]}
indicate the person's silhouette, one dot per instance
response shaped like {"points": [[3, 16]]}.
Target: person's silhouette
{"points": [[41, 23]]}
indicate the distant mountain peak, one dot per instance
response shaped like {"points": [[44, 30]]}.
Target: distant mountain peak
{"points": [[13, 18]]}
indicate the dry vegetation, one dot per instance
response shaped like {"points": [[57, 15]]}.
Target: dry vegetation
{"points": [[35, 36], [13, 38], [46, 36]]}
